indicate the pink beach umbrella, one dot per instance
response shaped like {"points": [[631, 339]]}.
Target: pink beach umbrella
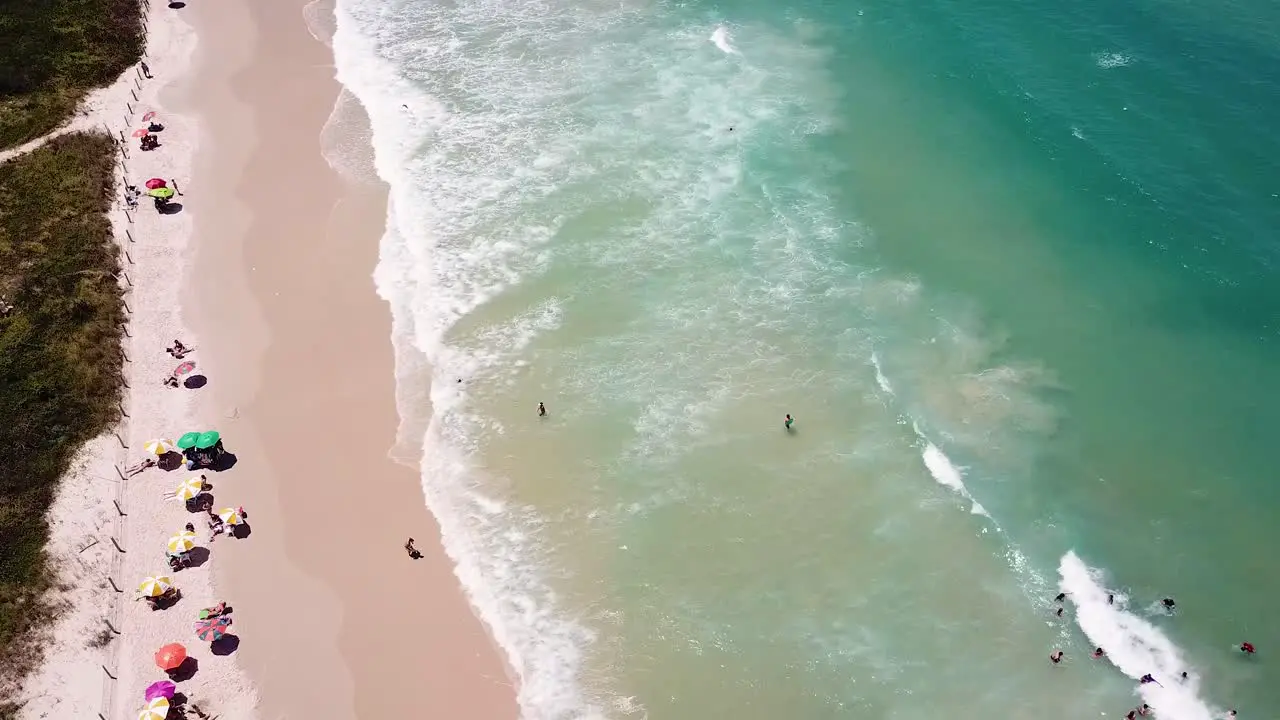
{"points": [[162, 689], [154, 183], [140, 132], [150, 114]]}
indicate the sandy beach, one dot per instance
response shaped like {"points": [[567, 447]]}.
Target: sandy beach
{"points": [[265, 269], [302, 382]]}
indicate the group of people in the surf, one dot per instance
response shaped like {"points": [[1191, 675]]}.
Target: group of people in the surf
{"points": [[1169, 606]]}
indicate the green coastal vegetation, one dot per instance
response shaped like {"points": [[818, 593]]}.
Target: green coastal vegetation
{"points": [[53, 52], [61, 312], [61, 309], [60, 361]]}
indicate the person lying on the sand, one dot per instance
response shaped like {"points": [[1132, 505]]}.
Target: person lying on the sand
{"points": [[178, 349], [171, 381], [413, 551]]}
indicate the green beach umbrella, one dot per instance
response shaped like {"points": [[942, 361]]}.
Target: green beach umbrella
{"points": [[161, 192], [207, 439], [188, 441]]}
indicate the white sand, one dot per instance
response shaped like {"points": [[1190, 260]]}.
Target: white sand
{"points": [[72, 682]]}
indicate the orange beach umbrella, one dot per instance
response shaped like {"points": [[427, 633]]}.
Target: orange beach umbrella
{"points": [[170, 656]]}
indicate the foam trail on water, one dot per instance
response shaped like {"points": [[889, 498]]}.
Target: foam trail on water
{"points": [[881, 380], [1133, 645], [945, 472], [721, 39]]}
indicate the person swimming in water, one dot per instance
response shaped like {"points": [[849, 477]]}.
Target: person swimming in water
{"points": [[1060, 597], [1247, 648], [1168, 604], [1056, 657], [1097, 652]]}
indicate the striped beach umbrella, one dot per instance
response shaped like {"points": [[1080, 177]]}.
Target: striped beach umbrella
{"points": [[158, 447], [230, 516], [190, 488], [213, 628], [155, 586], [157, 709], [182, 542]]}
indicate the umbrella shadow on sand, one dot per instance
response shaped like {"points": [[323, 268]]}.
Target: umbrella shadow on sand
{"points": [[185, 671], [225, 461], [225, 645], [195, 382], [170, 461], [241, 531], [170, 208], [197, 556]]}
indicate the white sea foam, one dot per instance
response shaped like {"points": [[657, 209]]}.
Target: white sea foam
{"points": [[721, 39], [494, 546], [1133, 645], [945, 472], [1110, 60], [881, 380]]}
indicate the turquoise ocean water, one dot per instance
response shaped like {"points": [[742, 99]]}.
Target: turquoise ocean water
{"points": [[1010, 265]]}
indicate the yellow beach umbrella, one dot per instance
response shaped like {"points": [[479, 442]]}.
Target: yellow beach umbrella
{"points": [[158, 447], [190, 488], [155, 586], [230, 516], [182, 542], [157, 709]]}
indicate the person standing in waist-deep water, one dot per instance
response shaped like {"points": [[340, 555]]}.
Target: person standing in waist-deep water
{"points": [[788, 421], [542, 410]]}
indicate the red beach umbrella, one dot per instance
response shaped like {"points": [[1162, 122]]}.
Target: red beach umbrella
{"points": [[154, 183], [183, 369], [170, 656], [140, 132], [148, 116]]}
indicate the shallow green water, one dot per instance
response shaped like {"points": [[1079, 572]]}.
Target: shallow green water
{"points": [[1008, 264]]}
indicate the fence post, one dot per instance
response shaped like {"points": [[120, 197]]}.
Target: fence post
{"points": [[113, 584], [112, 628], [116, 543], [120, 406], [135, 95], [108, 672], [117, 504], [175, 186], [123, 444]]}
